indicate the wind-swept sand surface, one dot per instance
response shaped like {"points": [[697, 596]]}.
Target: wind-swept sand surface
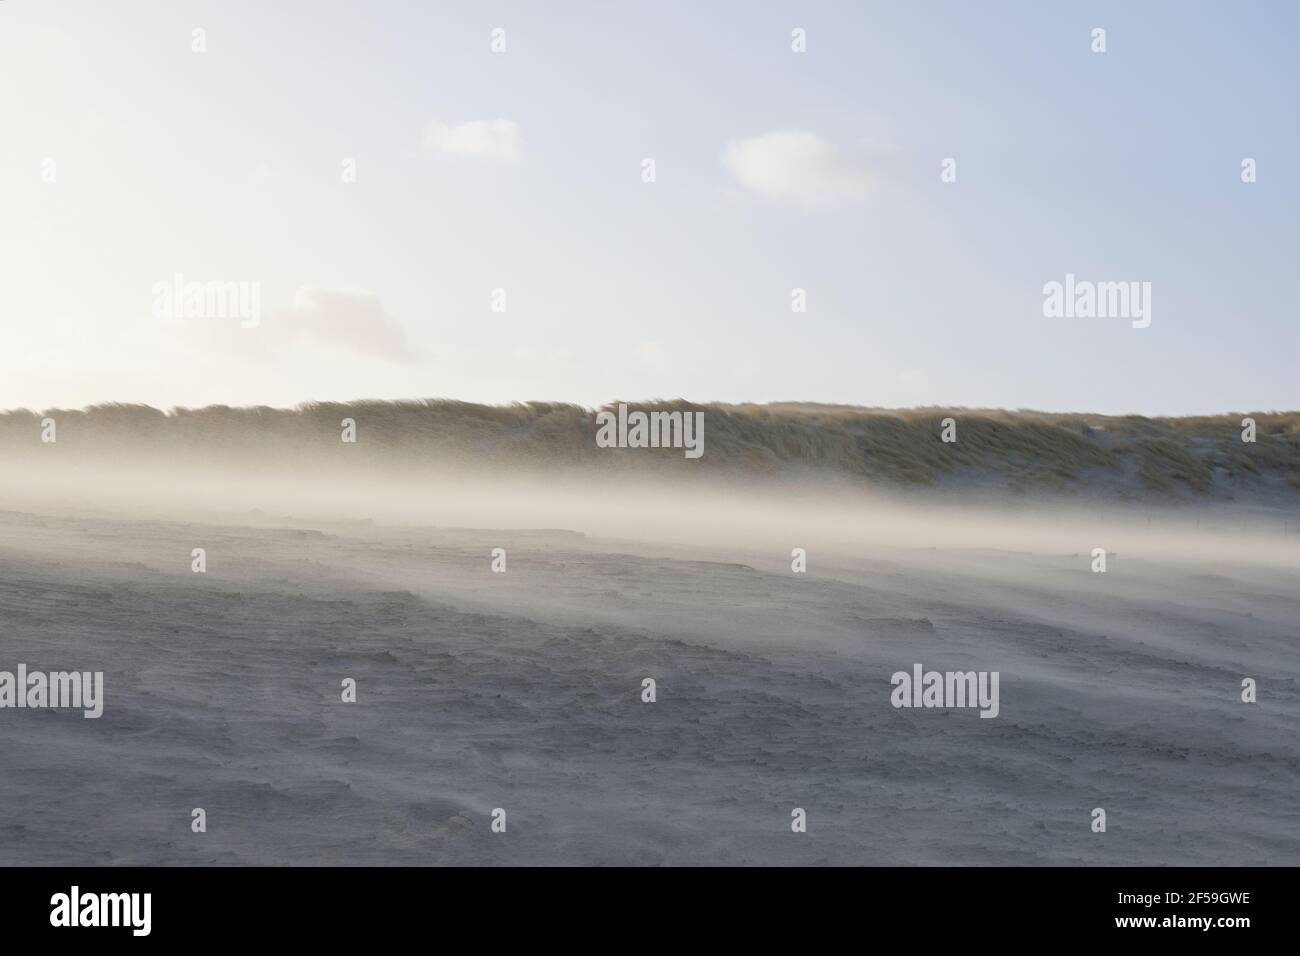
{"points": [[522, 691]]}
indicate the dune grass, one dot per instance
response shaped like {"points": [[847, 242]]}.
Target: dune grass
{"points": [[1020, 450]]}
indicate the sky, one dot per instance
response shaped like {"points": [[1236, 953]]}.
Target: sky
{"points": [[421, 215]]}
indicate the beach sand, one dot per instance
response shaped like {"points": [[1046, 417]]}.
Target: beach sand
{"points": [[522, 691]]}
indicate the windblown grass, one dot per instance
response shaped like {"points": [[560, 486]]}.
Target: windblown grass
{"points": [[1019, 450]]}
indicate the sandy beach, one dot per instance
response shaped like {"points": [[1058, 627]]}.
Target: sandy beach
{"points": [[523, 691]]}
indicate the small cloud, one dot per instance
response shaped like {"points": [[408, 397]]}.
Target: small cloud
{"points": [[320, 320], [797, 167], [348, 321], [496, 140]]}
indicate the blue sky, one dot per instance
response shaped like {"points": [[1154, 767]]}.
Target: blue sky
{"points": [[522, 171]]}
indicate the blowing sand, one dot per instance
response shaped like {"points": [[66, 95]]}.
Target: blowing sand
{"points": [[522, 691]]}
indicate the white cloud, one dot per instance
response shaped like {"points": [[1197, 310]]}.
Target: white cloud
{"points": [[797, 167], [497, 140], [319, 321], [346, 321]]}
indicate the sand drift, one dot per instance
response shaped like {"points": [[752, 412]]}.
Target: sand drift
{"points": [[348, 670]]}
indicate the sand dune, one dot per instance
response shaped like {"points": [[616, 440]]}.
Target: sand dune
{"points": [[991, 451]]}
